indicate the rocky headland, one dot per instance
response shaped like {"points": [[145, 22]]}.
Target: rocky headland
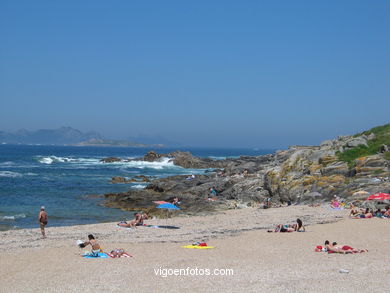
{"points": [[300, 174]]}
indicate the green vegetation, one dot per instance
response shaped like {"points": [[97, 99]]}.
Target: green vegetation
{"points": [[382, 136]]}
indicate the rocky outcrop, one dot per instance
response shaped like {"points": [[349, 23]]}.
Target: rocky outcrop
{"points": [[300, 174], [110, 160], [119, 179], [152, 156], [139, 178]]}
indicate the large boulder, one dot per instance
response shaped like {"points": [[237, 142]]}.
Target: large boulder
{"points": [[152, 156], [356, 142]]}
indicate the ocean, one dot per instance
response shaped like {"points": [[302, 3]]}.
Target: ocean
{"points": [[68, 181]]}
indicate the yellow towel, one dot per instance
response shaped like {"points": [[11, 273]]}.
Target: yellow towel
{"points": [[197, 247]]}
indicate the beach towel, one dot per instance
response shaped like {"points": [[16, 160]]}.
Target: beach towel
{"points": [[151, 226], [99, 255], [198, 247], [122, 255]]}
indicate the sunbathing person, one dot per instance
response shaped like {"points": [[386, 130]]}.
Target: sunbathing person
{"points": [[378, 213], [335, 203], [344, 249], [117, 252], [387, 212], [95, 245], [367, 214], [297, 227], [354, 212], [138, 221], [176, 201]]}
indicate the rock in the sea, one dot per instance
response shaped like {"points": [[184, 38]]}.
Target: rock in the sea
{"points": [[110, 160], [152, 156], [119, 179]]}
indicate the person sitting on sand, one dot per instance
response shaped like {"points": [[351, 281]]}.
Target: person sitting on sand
{"points": [[213, 192], [367, 214], [95, 245], [378, 213], [387, 212], [335, 203], [297, 227], [137, 221], [354, 212], [176, 201]]}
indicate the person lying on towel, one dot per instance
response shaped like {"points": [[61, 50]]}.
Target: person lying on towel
{"points": [[344, 249], [138, 221], [297, 227]]}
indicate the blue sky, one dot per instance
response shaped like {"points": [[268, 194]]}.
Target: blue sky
{"points": [[202, 73]]}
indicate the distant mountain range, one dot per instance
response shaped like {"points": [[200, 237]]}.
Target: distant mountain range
{"points": [[63, 136]]}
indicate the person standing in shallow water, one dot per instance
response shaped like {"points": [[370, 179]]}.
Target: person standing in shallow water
{"points": [[42, 219]]}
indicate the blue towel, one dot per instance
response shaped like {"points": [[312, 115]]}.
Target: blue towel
{"points": [[100, 255]]}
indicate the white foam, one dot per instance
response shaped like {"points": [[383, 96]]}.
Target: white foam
{"points": [[82, 162], [163, 163], [10, 174], [139, 186], [46, 160], [54, 159], [18, 216], [8, 163]]}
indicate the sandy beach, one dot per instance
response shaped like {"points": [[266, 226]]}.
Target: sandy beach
{"points": [[251, 259]]}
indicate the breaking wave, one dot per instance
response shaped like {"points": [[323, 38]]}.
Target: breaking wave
{"points": [[54, 159], [126, 163], [8, 163], [139, 186], [14, 217], [163, 163], [10, 174]]}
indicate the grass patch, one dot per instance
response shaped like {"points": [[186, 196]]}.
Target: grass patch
{"points": [[382, 136]]}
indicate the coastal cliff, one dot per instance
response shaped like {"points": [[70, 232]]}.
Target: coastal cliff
{"points": [[300, 174]]}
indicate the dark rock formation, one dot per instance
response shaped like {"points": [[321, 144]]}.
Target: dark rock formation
{"points": [[152, 156], [110, 160], [119, 179], [301, 174]]}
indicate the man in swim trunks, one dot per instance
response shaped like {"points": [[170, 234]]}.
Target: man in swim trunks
{"points": [[42, 219]]}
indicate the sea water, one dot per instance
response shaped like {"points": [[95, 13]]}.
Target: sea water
{"points": [[70, 181]]}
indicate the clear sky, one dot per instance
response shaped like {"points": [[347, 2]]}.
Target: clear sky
{"points": [[203, 73]]}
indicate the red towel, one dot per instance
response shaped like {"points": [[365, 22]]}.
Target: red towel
{"points": [[123, 255]]}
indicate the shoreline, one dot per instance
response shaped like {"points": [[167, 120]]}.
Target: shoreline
{"points": [[186, 228]]}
